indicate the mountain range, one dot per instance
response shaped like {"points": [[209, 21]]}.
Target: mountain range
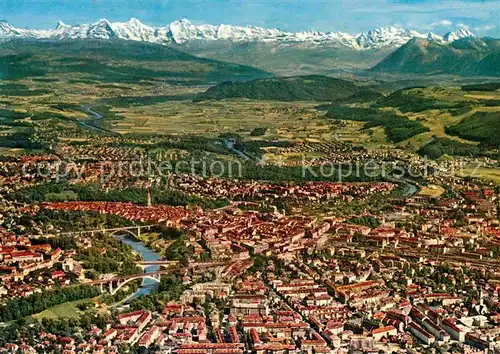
{"points": [[387, 50], [183, 31]]}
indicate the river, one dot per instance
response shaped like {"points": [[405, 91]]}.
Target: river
{"points": [[148, 285], [230, 145], [410, 190], [96, 116]]}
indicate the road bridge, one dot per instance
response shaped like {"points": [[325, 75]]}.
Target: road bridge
{"points": [[116, 283], [161, 263], [134, 231]]}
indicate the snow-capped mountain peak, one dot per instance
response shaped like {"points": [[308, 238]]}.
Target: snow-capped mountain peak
{"points": [[7, 29], [458, 34], [135, 22], [386, 36], [183, 30], [134, 30], [61, 25], [431, 36]]}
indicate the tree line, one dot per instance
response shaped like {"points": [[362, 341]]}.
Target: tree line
{"points": [[16, 309], [63, 191]]}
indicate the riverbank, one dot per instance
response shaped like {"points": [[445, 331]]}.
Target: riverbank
{"points": [[148, 285], [70, 309]]}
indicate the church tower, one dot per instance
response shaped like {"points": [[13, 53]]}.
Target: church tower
{"points": [[149, 203]]}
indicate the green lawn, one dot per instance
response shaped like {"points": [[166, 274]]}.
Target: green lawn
{"points": [[68, 309], [489, 174]]}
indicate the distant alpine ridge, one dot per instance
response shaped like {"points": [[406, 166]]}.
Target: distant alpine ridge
{"points": [[182, 31]]}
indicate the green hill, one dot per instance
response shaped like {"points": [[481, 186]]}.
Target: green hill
{"points": [[396, 128], [114, 61], [361, 97], [438, 147], [487, 86], [294, 88], [417, 99], [466, 56], [481, 126]]}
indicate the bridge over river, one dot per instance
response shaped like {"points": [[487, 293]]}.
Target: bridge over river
{"points": [[151, 263], [116, 283]]}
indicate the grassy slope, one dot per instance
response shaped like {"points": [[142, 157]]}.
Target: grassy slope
{"points": [[397, 128], [68, 309], [154, 86]]}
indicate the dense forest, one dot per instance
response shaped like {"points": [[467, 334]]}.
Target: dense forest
{"points": [[70, 220], [443, 146], [483, 127], [397, 128], [413, 100], [63, 191]]}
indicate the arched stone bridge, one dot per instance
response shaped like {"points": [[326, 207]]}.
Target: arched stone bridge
{"points": [[165, 264], [116, 283]]}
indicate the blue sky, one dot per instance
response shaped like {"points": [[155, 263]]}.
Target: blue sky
{"points": [[480, 16]]}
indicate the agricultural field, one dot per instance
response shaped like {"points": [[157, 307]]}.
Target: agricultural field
{"points": [[162, 108], [299, 120], [487, 174]]}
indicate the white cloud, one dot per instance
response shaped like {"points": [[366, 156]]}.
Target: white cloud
{"points": [[485, 28], [432, 16], [463, 26], [430, 26], [445, 23], [442, 23]]}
